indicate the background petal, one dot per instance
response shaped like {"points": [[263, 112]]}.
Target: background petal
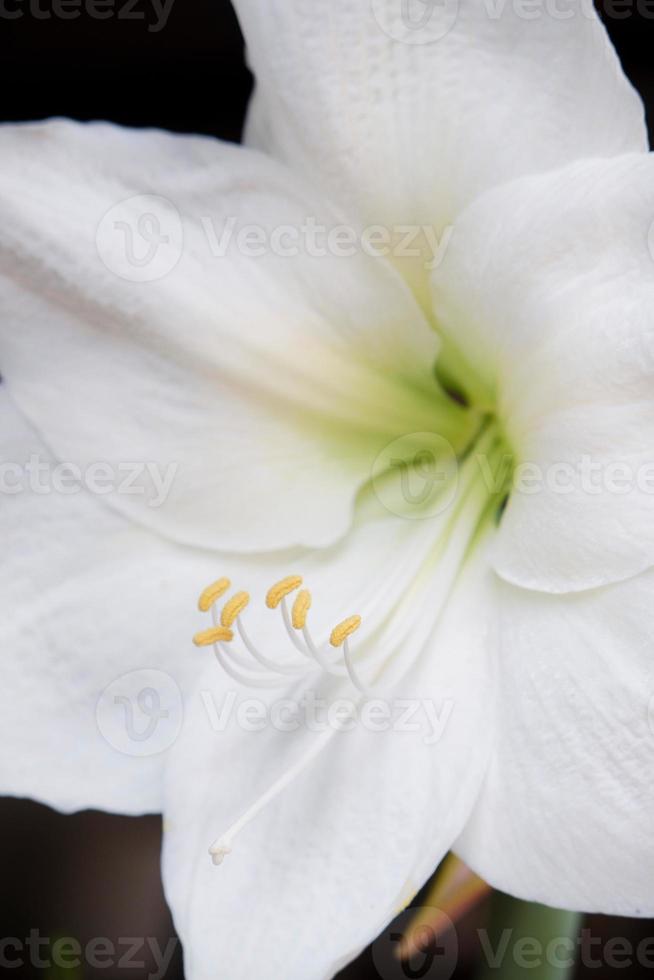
{"points": [[408, 111], [547, 293], [565, 814], [265, 380], [87, 598]]}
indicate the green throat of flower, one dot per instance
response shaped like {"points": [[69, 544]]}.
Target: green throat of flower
{"points": [[444, 488]]}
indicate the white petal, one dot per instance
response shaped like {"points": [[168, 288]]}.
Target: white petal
{"points": [[565, 814], [265, 385], [319, 871], [547, 290], [87, 598], [410, 124]]}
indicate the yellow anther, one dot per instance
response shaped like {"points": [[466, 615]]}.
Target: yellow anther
{"points": [[275, 594], [233, 609], [208, 637], [341, 632], [213, 592], [301, 607]]}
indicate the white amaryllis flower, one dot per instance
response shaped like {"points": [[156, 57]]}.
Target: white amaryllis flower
{"points": [[521, 646]]}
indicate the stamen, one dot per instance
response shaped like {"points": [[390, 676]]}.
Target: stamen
{"points": [[208, 637], [354, 677], [341, 632], [321, 656], [233, 609], [284, 667], [213, 592], [243, 676], [301, 607], [309, 648], [292, 635], [275, 594]]}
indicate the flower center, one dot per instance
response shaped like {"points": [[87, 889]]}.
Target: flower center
{"points": [[462, 498], [458, 494]]}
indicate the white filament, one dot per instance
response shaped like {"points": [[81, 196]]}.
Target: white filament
{"points": [[284, 667], [245, 678]]}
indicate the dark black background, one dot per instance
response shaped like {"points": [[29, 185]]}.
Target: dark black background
{"points": [[94, 874], [189, 76]]}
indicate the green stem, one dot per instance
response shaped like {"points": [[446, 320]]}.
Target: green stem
{"points": [[528, 940]]}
